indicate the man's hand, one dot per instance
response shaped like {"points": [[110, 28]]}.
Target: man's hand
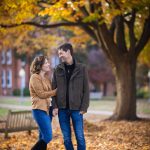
{"points": [[55, 112], [82, 112]]}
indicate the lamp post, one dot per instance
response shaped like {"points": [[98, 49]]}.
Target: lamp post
{"points": [[22, 81], [149, 83]]}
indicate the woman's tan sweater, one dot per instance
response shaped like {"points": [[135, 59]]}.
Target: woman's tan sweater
{"points": [[40, 92]]}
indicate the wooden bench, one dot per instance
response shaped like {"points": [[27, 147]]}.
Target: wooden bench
{"points": [[17, 121]]}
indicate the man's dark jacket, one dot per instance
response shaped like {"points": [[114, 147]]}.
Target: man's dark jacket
{"points": [[78, 88]]}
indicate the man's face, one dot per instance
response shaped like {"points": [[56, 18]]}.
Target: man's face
{"points": [[63, 55]]}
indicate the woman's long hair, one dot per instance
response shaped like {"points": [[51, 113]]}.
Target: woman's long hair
{"points": [[37, 64]]}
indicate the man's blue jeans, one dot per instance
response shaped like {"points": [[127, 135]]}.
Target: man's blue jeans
{"points": [[44, 123], [77, 121]]}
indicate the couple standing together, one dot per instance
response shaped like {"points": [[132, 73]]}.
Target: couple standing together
{"points": [[69, 91]]}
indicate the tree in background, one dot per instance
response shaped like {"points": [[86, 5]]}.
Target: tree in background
{"points": [[100, 72], [121, 28]]}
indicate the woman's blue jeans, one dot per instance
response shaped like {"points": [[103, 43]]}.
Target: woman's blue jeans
{"points": [[77, 121], [44, 123]]}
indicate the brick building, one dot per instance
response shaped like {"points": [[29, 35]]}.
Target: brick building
{"points": [[10, 66]]}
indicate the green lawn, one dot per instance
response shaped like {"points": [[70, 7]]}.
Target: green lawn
{"points": [[15, 102], [3, 112]]}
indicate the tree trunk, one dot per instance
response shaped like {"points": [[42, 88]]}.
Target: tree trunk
{"points": [[126, 90], [105, 89]]}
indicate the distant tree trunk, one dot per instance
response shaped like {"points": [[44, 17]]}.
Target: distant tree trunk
{"points": [[126, 90], [105, 89]]}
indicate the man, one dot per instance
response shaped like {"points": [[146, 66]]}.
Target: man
{"points": [[72, 100]]}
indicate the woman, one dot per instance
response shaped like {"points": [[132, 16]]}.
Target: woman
{"points": [[41, 93]]}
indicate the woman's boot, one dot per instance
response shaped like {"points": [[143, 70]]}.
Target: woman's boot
{"points": [[40, 145]]}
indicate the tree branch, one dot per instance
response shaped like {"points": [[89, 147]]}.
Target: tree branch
{"points": [[84, 11], [109, 43], [120, 35], [103, 45], [117, 6], [132, 37], [112, 27], [47, 2], [91, 5], [44, 25], [145, 36], [89, 31]]}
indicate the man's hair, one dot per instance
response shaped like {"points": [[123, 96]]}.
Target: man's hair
{"points": [[65, 47]]}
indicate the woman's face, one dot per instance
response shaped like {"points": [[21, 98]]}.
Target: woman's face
{"points": [[46, 66]]}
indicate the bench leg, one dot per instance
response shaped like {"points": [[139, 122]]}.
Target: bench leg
{"points": [[6, 134], [29, 132]]}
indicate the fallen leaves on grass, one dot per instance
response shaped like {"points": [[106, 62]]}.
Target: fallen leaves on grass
{"points": [[103, 135]]}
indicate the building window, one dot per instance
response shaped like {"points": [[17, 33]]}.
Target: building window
{"points": [[54, 61], [9, 56], [3, 79], [9, 78], [3, 57]]}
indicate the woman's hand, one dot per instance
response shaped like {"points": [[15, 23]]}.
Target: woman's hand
{"points": [[54, 92]]}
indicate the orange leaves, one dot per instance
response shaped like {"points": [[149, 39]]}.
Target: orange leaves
{"points": [[12, 11], [144, 57], [104, 135], [58, 11]]}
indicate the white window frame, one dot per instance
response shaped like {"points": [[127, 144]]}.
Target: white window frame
{"points": [[9, 78], [3, 79], [9, 57], [3, 57]]}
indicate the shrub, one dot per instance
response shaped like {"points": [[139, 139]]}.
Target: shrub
{"points": [[17, 92], [142, 93], [26, 92]]}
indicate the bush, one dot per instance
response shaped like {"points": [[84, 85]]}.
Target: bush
{"points": [[26, 92], [17, 92], [142, 93]]}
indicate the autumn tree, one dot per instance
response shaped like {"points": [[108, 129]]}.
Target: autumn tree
{"points": [[144, 57], [121, 28]]}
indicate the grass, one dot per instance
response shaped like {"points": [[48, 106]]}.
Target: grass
{"points": [[143, 106], [3, 112], [102, 105], [15, 101]]}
